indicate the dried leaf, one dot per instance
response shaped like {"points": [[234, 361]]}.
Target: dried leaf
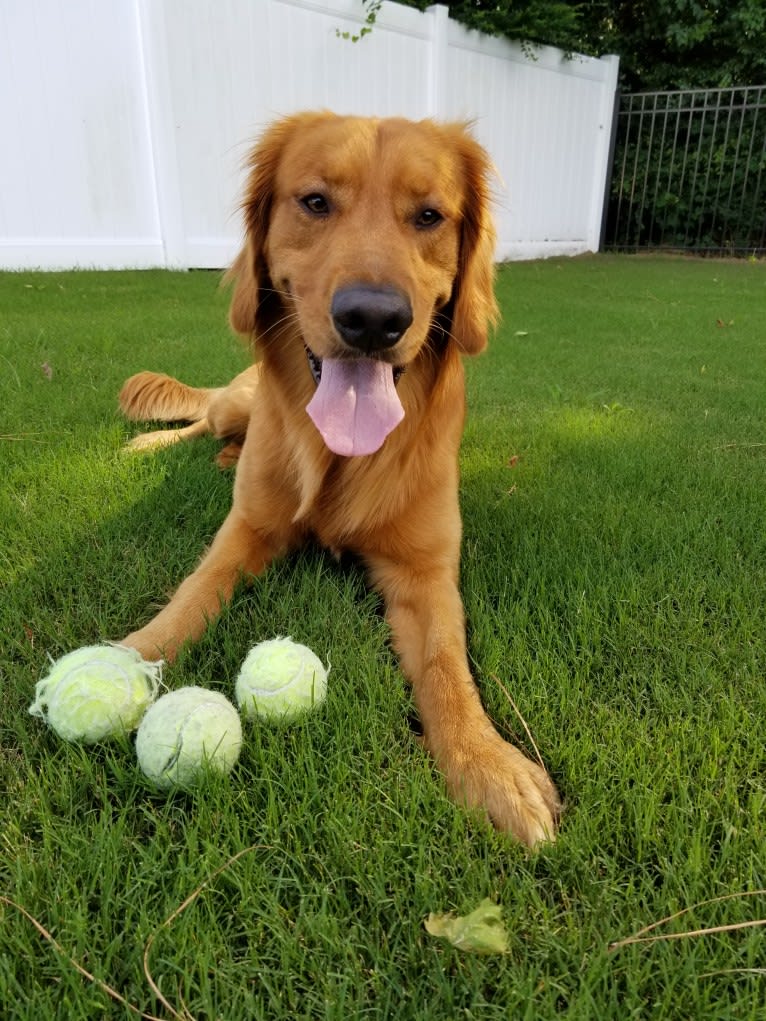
{"points": [[480, 932], [47, 370]]}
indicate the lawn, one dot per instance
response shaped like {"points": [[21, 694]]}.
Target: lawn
{"points": [[614, 571]]}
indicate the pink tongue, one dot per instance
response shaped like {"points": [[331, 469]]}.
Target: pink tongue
{"points": [[355, 405]]}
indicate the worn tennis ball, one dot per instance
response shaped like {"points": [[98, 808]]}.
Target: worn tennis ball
{"points": [[186, 732], [96, 692], [280, 679]]}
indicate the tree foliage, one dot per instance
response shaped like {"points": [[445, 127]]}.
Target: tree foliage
{"points": [[551, 22], [663, 44], [672, 44]]}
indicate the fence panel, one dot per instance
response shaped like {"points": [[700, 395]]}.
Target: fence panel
{"points": [[76, 169], [690, 172], [547, 122], [241, 65], [125, 122]]}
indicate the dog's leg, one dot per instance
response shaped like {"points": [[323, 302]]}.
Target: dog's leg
{"points": [[167, 437], [229, 410], [237, 550], [481, 769]]}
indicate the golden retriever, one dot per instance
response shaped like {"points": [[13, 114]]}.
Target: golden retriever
{"points": [[366, 275]]}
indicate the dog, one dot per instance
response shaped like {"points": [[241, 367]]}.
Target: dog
{"points": [[365, 277]]}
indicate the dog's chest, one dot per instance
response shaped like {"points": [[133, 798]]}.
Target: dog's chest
{"points": [[357, 497]]}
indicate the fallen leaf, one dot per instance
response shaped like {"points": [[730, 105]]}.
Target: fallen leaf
{"points": [[480, 932], [47, 370]]}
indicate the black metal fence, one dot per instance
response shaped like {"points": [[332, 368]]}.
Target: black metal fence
{"points": [[689, 172]]}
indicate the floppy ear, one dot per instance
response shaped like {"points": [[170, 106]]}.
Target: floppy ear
{"points": [[474, 309], [244, 300], [254, 303]]}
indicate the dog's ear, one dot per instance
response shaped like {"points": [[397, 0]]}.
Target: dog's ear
{"points": [[474, 308], [253, 302], [244, 300]]}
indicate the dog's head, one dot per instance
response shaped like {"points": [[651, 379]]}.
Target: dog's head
{"points": [[373, 237]]}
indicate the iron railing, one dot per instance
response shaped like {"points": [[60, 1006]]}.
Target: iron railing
{"points": [[689, 172]]}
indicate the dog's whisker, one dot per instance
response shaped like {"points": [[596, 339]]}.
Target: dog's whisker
{"points": [[278, 329], [281, 293], [441, 323]]}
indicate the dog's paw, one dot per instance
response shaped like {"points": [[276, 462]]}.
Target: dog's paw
{"points": [[149, 644], [516, 793], [228, 456]]}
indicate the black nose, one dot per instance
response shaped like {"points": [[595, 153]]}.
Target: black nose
{"points": [[370, 318]]}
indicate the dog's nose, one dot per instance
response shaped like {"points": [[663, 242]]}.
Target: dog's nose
{"points": [[370, 318]]}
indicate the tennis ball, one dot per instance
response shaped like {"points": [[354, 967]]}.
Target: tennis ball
{"points": [[96, 692], [280, 678], [185, 732]]}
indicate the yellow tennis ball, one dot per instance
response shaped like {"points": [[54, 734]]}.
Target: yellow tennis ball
{"points": [[96, 692], [186, 732], [280, 679]]}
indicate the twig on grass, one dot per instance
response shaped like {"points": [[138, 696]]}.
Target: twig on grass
{"points": [[186, 1015], [75, 964], [733, 971], [641, 937], [507, 694]]}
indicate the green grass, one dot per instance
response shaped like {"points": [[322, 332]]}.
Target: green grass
{"points": [[614, 496]]}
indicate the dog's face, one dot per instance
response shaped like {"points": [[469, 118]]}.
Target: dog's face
{"points": [[337, 201], [368, 234], [370, 211]]}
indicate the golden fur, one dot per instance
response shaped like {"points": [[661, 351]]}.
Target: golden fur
{"points": [[396, 509]]}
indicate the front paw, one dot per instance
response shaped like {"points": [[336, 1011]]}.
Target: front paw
{"points": [[149, 644], [516, 793]]}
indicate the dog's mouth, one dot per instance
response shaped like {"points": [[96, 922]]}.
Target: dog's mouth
{"points": [[315, 364], [356, 405]]}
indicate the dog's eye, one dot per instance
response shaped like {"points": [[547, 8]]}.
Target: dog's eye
{"points": [[428, 218], [316, 204]]}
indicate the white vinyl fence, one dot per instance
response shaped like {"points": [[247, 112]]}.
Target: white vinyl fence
{"points": [[124, 123]]}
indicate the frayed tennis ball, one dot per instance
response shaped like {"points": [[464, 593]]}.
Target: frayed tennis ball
{"points": [[186, 732], [96, 692], [280, 679]]}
